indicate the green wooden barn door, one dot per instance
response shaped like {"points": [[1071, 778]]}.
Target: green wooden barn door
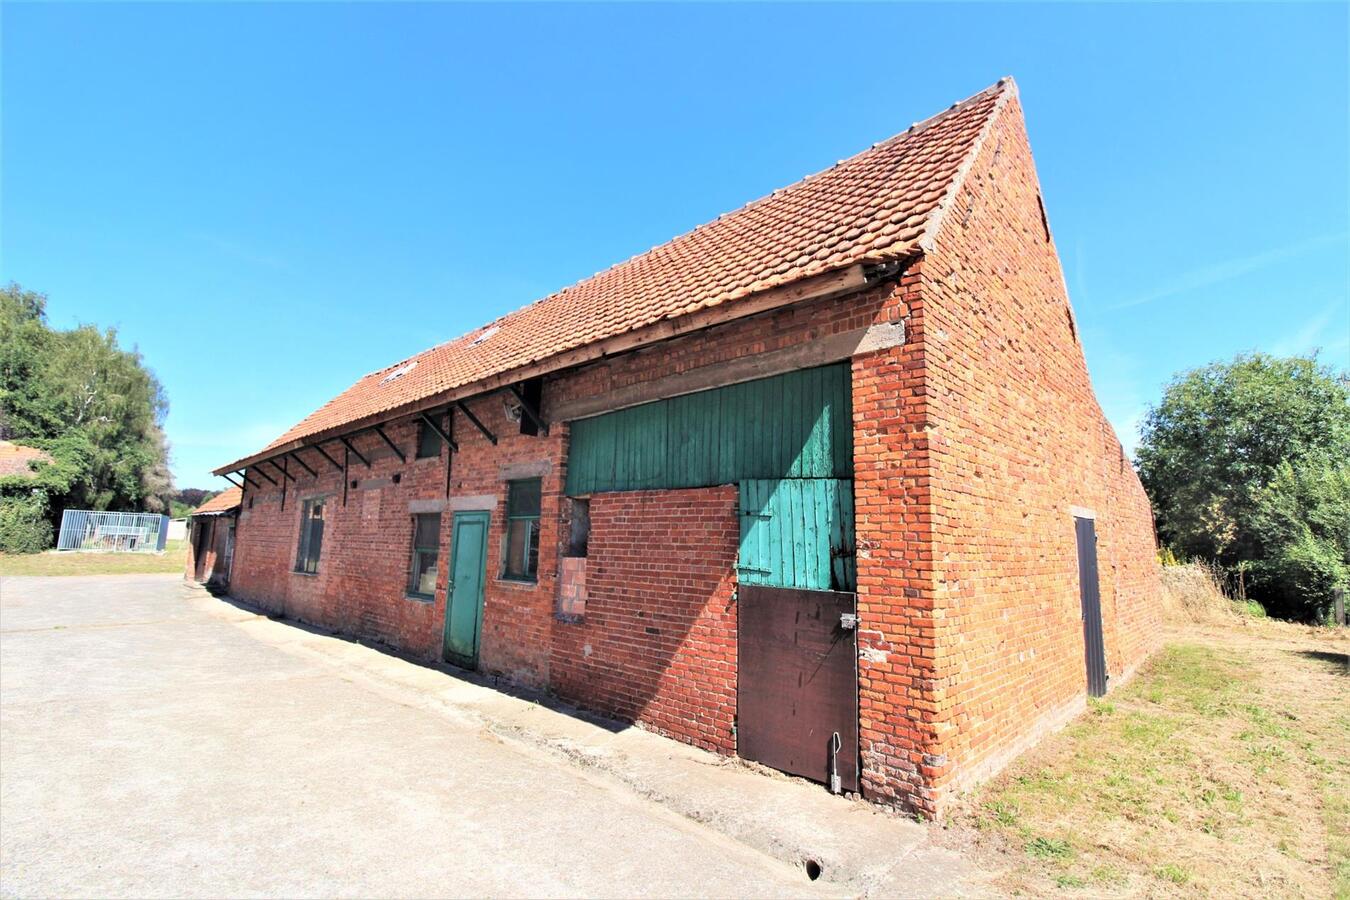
{"points": [[797, 533]]}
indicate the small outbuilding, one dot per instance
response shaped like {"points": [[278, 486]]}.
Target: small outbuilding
{"points": [[211, 529]]}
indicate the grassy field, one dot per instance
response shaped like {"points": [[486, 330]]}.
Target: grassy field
{"points": [[172, 559], [1222, 769]]}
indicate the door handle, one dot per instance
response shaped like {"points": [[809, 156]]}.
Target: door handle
{"points": [[836, 786]]}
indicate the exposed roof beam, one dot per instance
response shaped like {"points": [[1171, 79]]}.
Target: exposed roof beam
{"points": [[828, 284], [353, 451], [528, 409], [280, 469], [464, 408], [392, 446], [295, 455], [324, 454], [430, 423], [258, 471]]}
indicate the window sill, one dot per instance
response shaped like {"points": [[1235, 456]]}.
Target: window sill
{"points": [[518, 583], [420, 598], [306, 574], [570, 618]]}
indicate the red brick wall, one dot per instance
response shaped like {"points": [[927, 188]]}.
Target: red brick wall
{"points": [[657, 643], [361, 585], [893, 517], [972, 441], [213, 551], [1015, 438]]}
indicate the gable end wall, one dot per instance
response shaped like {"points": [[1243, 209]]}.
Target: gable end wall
{"points": [[1016, 439]]}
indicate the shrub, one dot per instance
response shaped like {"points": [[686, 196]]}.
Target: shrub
{"points": [[23, 524]]}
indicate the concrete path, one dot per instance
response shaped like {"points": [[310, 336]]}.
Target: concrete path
{"points": [[155, 741]]}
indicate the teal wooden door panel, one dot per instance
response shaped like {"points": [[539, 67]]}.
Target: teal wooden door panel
{"points": [[797, 533], [468, 576], [796, 425]]}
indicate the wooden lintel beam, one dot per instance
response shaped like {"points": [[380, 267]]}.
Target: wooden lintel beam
{"points": [[392, 446], [431, 423], [464, 408], [354, 452]]}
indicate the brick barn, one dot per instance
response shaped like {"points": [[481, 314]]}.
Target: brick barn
{"points": [[822, 483], [211, 535]]}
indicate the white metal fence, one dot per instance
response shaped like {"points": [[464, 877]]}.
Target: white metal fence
{"points": [[84, 529]]}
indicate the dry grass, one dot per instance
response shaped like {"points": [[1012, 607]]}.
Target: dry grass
{"points": [[75, 562], [1197, 593], [1221, 770]]}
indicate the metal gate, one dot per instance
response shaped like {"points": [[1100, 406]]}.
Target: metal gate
{"points": [[85, 529], [797, 686], [1089, 591]]}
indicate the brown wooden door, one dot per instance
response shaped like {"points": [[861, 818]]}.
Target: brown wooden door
{"points": [[203, 540], [797, 681]]}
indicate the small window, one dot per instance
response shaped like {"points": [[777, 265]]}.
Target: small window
{"points": [[311, 537], [426, 544], [579, 528], [521, 553], [428, 441]]}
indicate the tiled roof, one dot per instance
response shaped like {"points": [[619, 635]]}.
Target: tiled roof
{"points": [[874, 207], [15, 458], [223, 502]]}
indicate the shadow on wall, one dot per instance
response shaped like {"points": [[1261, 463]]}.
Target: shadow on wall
{"points": [[657, 643], [498, 683]]}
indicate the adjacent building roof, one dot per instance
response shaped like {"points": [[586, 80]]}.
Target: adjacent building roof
{"points": [[875, 207], [226, 501], [16, 459]]}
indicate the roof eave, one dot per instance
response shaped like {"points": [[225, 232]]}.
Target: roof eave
{"points": [[846, 279]]}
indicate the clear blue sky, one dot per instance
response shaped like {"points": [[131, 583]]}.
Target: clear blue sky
{"points": [[271, 200]]}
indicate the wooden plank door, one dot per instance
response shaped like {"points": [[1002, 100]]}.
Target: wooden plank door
{"points": [[797, 533], [205, 529], [1089, 591], [797, 682], [464, 597]]}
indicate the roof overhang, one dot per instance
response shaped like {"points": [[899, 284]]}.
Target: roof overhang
{"points": [[845, 280]]}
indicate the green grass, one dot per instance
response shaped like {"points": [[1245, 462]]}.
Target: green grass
{"points": [[172, 560], [1221, 769]]}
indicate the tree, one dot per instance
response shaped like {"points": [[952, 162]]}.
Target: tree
{"points": [[81, 385], [1246, 464]]}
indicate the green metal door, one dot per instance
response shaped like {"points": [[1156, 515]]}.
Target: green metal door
{"points": [[468, 572], [797, 533]]}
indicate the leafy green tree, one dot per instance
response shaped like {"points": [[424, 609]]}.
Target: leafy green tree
{"points": [[26, 410], [1246, 464], [1302, 523], [81, 387]]}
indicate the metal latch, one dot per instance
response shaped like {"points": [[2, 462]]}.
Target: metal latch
{"points": [[836, 786], [848, 621]]}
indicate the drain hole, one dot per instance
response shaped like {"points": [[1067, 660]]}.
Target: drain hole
{"points": [[812, 869]]}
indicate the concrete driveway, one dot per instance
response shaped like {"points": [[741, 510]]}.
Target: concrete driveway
{"points": [[156, 741]]}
